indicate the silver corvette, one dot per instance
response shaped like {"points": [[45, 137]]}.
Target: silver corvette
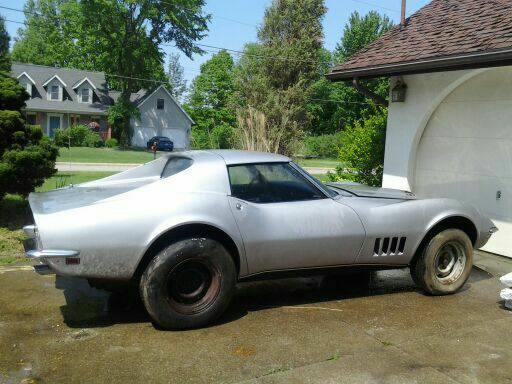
{"points": [[185, 228]]}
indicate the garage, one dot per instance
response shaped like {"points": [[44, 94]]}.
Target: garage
{"points": [[465, 151], [449, 125]]}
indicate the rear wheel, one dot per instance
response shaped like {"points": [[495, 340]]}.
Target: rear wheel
{"points": [[188, 284], [445, 263]]}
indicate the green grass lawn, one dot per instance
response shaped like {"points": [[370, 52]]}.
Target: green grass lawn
{"points": [[323, 178], [318, 163], [63, 179], [14, 214], [104, 155]]}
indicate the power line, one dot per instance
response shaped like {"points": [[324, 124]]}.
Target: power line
{"points": [[14, 21], [376, 6], [235, 51], [217, 48]]}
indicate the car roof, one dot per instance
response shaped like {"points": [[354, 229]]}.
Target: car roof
{"points": [[232, 157]]}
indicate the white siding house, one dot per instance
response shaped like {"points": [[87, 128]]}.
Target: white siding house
{"points": [[161, 115]]}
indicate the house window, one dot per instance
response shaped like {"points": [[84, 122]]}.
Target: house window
{"points": [[29, 89], [31, 118], [159, 103], [85, 95], [54, 92]]}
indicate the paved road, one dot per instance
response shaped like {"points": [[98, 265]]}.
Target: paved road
{"points": [[347, 329], [115, 167]]}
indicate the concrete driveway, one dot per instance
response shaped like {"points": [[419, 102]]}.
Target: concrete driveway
{"points": [[355, 328]]}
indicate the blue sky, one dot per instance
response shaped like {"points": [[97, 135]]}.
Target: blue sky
{"points": [[234, 22]]}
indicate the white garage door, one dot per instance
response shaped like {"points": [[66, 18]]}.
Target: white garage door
{"points": [[178, 137], [141, 136], [466, 151]]}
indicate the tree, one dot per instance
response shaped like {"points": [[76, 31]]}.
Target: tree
{"points": [[5, 60], [346, 105], [119, 37], [276, 73], [210, 103], [177, 82], [47, 38], [359, 32], [26, 157]]}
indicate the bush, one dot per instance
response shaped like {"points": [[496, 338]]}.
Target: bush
{"points": [[362, 151], [77, 136], [93, 140], [111, 143], [324, 145]]}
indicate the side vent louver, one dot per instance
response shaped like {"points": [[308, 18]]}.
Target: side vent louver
{"points": [[389, 246]]}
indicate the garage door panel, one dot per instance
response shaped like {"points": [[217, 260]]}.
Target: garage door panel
{"points": [[466, 155], [473, 189], [141, 136], [465, 151]]}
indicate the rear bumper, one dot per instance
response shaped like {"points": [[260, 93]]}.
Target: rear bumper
{"points": [[51, 253], [33, 250]]}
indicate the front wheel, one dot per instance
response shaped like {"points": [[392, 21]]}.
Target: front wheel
{"points": [[188, 284], [444, 265]]}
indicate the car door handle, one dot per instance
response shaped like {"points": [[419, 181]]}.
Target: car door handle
{"points": [[238, 206]]}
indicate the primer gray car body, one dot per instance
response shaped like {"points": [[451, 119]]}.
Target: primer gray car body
{"points": [[108, 225]]}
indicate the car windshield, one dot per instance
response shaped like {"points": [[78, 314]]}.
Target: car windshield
{"points": [[327, 189]]}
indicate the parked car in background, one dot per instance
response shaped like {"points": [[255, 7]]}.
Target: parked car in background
{"points": [[162, 143], [228, 216]]}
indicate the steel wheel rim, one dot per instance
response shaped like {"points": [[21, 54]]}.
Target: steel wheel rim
{"points": [[192, 286], [450, 262]]}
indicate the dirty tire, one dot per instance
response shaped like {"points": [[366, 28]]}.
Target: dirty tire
{"points": [[189, 284], [445, 263]]}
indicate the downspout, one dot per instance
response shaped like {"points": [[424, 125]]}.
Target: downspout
{"points": [[365, 91]]}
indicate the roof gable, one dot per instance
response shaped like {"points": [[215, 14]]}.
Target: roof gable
{"points": [[85, 79], [145, 98], [54, 77], [451, 33], [27, 76]]}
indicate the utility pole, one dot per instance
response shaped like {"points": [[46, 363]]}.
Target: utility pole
{"points": [[402, 20]]}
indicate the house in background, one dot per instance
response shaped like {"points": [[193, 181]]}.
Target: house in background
{"points": [[452, 134], [62, 97], [160, 115]]}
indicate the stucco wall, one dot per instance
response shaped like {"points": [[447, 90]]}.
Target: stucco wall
{"points": [[169, 122]]}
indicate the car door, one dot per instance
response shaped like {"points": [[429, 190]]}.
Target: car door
{"points": [[287, 222]]}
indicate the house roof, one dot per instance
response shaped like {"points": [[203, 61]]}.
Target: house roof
{"points": [[40, 74], [138, 98], [443, 35]]}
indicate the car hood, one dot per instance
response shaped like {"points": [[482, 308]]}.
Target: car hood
{"points": [[361, 190]]}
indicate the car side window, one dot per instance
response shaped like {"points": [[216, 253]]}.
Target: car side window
{"points": [[175, 165], [271, 183]]}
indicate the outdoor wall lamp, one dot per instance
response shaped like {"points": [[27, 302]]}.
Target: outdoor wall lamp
{"points": [[398, 92]]}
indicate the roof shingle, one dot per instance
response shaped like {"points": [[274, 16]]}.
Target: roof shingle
{"points": [[441, 29]]}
